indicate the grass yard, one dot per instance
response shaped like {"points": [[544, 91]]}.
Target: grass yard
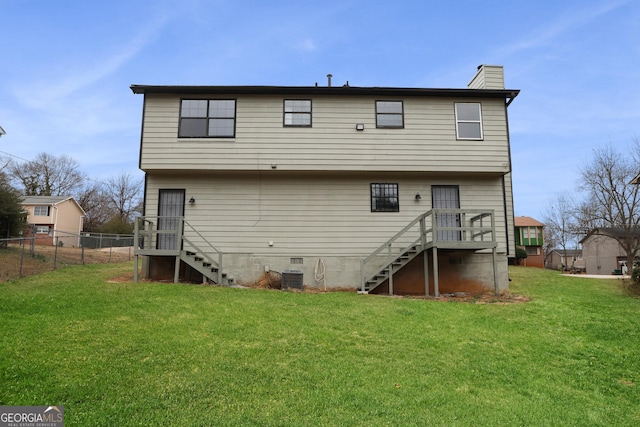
{"points": [[123, 354]]}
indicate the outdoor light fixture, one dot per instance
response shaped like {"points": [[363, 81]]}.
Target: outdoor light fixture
{"points": [[418, 196], [360, 126], [192, 201]]}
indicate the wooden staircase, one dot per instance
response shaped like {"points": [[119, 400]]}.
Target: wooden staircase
{"points": [[383, 275], [183, 242], [458, 229], [204, 265]]}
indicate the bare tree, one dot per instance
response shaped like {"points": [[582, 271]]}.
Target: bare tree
{"points": [[4, 163], [48, 175], [613, 203], [123, 192], [95, 205], [560, 223]]}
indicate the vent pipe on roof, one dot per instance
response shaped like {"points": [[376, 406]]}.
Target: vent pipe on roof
{"points": [[329, 79]]}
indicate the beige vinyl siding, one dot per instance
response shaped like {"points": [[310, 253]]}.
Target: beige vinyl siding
{"points": [[508, 185], [310, 214], [69, 217], [488, 77], [427, 142], [39, 219]]}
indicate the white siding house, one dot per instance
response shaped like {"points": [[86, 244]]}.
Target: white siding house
{"points": [[317, 180]]}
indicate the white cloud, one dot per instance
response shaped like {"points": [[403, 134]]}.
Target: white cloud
{"points": [[307, 45], [545, 34], [49, 91]]}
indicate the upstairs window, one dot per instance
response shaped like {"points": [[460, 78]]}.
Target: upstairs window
{"points": [[297, 112], [469, 120], [207, 118], [41, 211], [384, 198], [389, 114]]}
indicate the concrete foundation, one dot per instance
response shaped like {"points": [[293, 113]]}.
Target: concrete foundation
{"points": [[459, 271]]}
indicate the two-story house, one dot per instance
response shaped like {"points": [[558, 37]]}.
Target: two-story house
{"points": [[530, 236], [383, 189], [54, 220], [603, 254]]}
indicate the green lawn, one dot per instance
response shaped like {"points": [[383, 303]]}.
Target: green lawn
{"points": [[164, 354]]}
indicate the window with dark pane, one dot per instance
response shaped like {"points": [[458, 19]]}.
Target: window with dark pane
{"points": [[297, 112], [207, 118], [389, 114], [384, 198]]}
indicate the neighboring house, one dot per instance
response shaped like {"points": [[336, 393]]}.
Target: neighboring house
{"points": [[571, 260], [333, 186], [530, 236], [602, 253], [54, 220]]}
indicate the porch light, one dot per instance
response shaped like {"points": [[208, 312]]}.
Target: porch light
{"points": [[192, 201], [360, 126], [418, 196]]}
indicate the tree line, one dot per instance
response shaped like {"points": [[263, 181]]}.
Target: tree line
{"points": [[110, 205], [607, 202]]}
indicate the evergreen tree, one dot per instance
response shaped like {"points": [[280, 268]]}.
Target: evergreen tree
{"points": [[12, 217]]}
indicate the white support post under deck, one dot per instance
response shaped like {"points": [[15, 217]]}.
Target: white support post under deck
{"points": [[495, 275], [176, 272]]}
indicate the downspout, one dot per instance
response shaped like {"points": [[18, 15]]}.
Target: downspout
{"points": [[55, 224], [81, 226], [504, 193]]}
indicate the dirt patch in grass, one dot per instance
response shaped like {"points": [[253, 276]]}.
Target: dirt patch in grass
{"points": [[482, 298]]}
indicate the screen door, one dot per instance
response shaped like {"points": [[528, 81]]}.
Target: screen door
{"points": [[446, 197], [170, 213]]}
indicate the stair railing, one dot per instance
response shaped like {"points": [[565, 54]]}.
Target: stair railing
{"points": [[367, 270], [209, 248]]}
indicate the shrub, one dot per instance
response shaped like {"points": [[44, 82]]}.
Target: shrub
{"points": [[634, 286], [521, 254]]}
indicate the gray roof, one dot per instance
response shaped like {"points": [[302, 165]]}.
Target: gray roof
{"points": [[44, 200], [50, 201], [325, 90], [613, 232], [569, 251]]}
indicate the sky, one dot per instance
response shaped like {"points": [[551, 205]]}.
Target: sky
{"points": [[66, 68]]}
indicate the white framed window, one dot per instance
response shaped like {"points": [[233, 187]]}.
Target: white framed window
{"points": [[389, 114], [42, 229], [207, 118], [469, 120], [41, 210], [297, 112]]}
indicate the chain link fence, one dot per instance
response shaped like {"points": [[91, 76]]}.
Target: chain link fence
{"points": [[25, 256]]}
